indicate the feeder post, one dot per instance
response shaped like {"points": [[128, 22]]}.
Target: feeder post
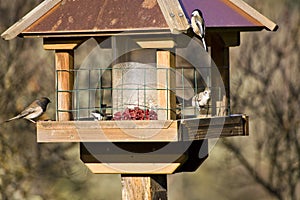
{"points": [[64, 62], [166, 78], [64, 66], [220, 56], [152, 187]]}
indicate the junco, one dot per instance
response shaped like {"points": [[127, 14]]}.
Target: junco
{"points": [[198, 25], [34, 110]]}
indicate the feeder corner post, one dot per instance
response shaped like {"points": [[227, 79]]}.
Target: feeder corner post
{"points": [[64, 64], [220, 55]]}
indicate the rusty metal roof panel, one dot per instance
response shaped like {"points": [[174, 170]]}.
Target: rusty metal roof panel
{"points": [[100, 15], [104, 17], [221, 14]]}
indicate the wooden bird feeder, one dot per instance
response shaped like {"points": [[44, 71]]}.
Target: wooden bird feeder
{"points": [[152, 72]]}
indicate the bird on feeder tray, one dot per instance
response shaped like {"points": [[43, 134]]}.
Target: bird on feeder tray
{"points": [[198, 25], [201, 100], [97, 115], [34, 110]]}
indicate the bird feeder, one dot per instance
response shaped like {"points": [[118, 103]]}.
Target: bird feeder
{"points": [[145, 67]]}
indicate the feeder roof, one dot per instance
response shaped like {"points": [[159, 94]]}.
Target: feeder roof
{"points": [[61, 18]]}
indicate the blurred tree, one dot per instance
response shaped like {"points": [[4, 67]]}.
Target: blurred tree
{"points": [[267, 62], [266, 86]]}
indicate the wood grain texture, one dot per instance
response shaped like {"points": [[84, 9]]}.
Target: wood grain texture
{"points": [[166, 80], [143, 131], [107, 131], [144, 187], [205, 128], [65, 43], [174, 15], [255, 14], [64, 63]]}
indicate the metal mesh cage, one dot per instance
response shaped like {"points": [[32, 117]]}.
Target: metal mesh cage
{"points": [[133, 85]]}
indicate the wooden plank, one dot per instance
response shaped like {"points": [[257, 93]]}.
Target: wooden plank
{"points": [[107, 131], [156, 44], [255, 14], [142, 131], [206, 128], [174, 15], [64, 62], [166, 79], [64, 43], [29, 19], [132, 168]]}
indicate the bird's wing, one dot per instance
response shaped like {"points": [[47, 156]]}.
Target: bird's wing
{"points": [[194, 100], [33, 107], [201, 27], [24, 113]]}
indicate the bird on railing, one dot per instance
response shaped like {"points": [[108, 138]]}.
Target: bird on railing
{"points": [[198, 25], [201, 99], [34, 110]]}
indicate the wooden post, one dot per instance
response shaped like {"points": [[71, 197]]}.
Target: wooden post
{"points": [[64, 61], [166, 79], [220, 56], [152, 187], [64, 65]]}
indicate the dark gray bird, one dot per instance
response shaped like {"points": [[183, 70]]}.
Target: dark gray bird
{"points": [[198, 25], [34, 110]]}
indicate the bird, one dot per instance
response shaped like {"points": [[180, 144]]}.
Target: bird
{"points": [[97, 115], [198, 25], [201, 99], [34, 110]]}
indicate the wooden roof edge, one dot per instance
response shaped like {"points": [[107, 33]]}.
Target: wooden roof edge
{"points": [[29, 19], [174, 15], [270, 25]]}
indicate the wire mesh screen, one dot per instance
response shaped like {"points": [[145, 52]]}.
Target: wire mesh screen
{"points": [[141, 91], [119, 80]]}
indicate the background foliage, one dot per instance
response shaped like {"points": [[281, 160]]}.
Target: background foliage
{"points": [[265, 85]]}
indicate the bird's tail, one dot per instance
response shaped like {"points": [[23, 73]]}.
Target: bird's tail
{"points": [[16, 117], [204, 44]]}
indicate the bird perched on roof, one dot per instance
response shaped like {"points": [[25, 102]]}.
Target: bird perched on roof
{"points": [[34, 110], [97, 115], [201, 100], [198, 25]]}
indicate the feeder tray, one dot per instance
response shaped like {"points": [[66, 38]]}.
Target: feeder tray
{"points": [[143, 147]]}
